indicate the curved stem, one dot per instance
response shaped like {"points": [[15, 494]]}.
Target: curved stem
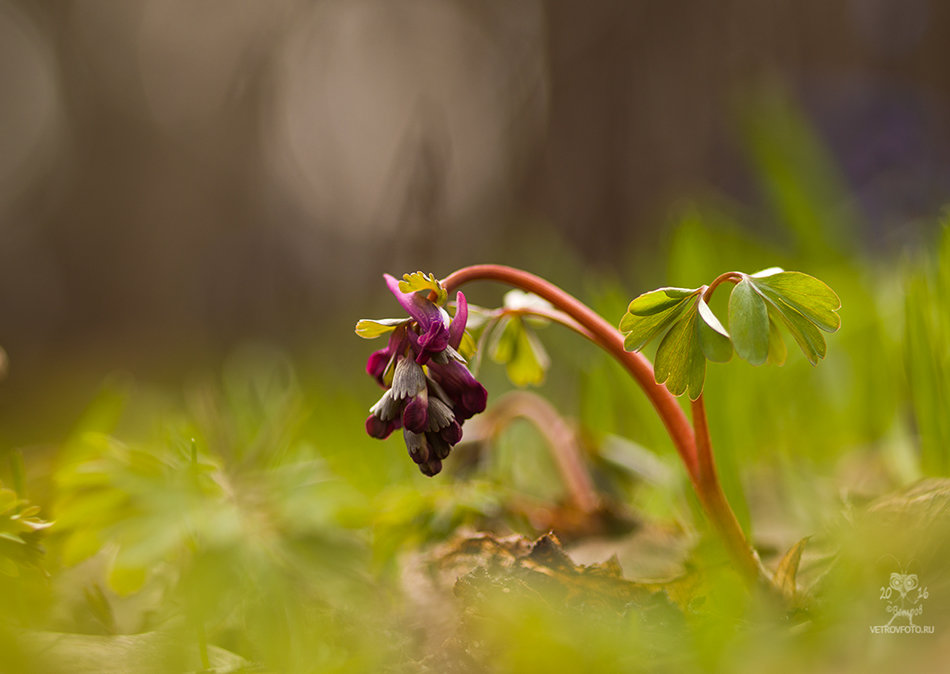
{"points": [[714, 499], [559, 437], [694, 448], [728, 277], [604, 335], [552, 315]]}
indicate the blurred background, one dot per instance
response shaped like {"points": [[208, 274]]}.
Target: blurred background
{"points": [[179, 176], [198, 199]]}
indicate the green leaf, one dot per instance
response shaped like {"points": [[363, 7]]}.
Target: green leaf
{"points": [[501, 343], [518, 348], [659, 300], [777, 349], [369, 328], [651, 314], [418, 281], [712, 336], [520, 300], [767, 272], [530, 362], [680, 363], [467, 347], [809, 296], [799, 301], [749, 322], [806, 335], [784, 578]]}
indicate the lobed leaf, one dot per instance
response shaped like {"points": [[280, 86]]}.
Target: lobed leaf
{"points": [[501, 342], [806, 335], [691, 333], [418, 281], [530, 362], [680, 362], [518, 348], [749, 323], [651, 314], [801, 302], [659, 300], [777, 349], [809, 296], [713, 338]]}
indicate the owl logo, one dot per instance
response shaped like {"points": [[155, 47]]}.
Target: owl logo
{"points": [[904, 583], [902, 601]]}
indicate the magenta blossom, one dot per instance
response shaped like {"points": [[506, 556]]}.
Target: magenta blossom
{"points": [[429, 390]]}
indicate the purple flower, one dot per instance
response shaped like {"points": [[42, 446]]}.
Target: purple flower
{"points": [[429, 390]]}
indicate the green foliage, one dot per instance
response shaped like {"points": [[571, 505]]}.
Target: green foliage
{"points": [[749, 321], [508, 336], [927, 354], [652, 313], [690, 333], [801, 302], [20, 530], [225, 513], [680, 362], [515, 345]]}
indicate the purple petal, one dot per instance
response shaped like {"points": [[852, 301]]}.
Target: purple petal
{"points": [[416, 444], [431, 468], [377, 428], [468, 396], [425, 313], [416, 415], [438, 447], [452, 433], [457, 328], [379, 360], [429, 343], [376, 365]]}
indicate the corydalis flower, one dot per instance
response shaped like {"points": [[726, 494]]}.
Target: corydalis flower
{"points": [[429, 390]]}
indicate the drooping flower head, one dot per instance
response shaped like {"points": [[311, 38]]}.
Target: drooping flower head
{"points": [[429, 390]]}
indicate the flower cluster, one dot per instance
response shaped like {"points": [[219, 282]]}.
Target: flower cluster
{"points": [[429, 390]]}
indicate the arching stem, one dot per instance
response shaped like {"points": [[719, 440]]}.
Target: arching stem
{"points": [[603, 334], [694, 448], [559, 438], [728, 277]]}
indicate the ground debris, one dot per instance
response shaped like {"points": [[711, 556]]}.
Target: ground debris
{"points": [[521, 566], [499, 579]]}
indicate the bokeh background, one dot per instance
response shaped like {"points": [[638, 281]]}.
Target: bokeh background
{"points": [[198, 199], [176, 177]]}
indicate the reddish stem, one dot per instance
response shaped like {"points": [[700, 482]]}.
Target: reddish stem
{"points": [[694, 449], [604, 335], [714, 499], [729, 276], [559, 438]]}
